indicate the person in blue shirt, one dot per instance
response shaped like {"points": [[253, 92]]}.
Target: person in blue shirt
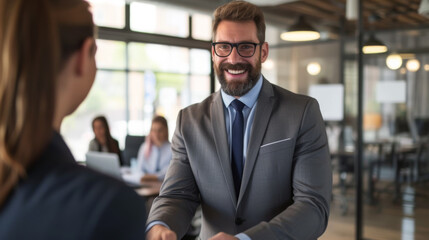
{"points": [[155, 153], [253, 155], [47, 68]]}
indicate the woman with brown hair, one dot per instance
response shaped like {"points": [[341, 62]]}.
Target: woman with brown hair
{"points": [[103, 140], [47, 68]]}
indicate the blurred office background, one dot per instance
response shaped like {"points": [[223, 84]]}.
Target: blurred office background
{"points": [[154, 58]]}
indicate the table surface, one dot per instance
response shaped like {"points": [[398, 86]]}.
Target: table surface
{"points": [[149, 189]]}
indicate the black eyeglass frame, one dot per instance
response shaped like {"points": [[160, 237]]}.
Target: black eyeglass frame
{"points": [[236, 45]]}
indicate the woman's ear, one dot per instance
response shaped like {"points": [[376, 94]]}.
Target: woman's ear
{"points": [[85, 54]]}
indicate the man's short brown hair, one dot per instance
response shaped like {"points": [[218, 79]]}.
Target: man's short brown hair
{"points": [[240, 11]]}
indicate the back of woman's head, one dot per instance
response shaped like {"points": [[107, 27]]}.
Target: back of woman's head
{"points": [[36, 39]]}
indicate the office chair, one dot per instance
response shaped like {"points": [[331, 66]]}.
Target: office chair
{"points": [[132, 146]]}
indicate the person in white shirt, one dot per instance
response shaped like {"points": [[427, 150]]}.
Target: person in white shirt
{"points": [[155, 153]]}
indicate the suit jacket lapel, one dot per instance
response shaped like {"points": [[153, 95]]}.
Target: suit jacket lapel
{"points": [[263, 111], [221, 141]]}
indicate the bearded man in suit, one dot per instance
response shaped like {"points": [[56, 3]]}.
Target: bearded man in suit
{"points": [[275, 181]]}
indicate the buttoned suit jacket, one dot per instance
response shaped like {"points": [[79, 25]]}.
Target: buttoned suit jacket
{"points": [[287, 181]]}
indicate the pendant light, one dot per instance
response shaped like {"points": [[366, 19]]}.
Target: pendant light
{"points": [[300, 31], [373, 46], [394, 61], [314, 68], [413, 65]]}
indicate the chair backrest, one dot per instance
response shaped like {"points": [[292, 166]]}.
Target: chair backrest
{"points": [[132, 145]]}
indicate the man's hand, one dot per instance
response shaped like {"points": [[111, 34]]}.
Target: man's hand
{"points": [[159, 232], [223, 236]]}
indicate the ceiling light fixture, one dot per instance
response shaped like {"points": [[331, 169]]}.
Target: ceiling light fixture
{"points": [[314, 68], [394, 61], [407, 55], [413, 65], [300, 31], [373, 46]]}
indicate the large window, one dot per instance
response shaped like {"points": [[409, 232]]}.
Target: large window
{"points": [[201, 27], [109, 13], [150, 18], [137, 80]]}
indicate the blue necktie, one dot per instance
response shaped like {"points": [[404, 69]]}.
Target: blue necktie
{"points": [[237, 144]]}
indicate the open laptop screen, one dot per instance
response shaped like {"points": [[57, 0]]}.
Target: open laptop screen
{"points": [[107, 163]]}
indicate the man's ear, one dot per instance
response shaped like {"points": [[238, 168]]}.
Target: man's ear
{"points": [[213, 54], [84, 55], [264, 52]]}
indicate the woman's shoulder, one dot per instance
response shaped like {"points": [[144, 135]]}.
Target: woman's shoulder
{"points": [[93, 145], [57, 170], [52, 185], [88, 187]]}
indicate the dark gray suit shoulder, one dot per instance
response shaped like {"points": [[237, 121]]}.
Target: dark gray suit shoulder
{"points": [[204, 105], [291, 96]]}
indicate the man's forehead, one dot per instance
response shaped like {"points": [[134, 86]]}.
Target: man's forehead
{"points": [[238, 30]]}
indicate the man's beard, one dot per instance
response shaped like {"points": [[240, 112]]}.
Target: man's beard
{"points": [[238, 88]]}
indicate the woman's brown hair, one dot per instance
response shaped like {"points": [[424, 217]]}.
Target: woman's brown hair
{"points": [[240, 11], [36, 39]]}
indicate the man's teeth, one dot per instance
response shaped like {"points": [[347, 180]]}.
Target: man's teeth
{"points": [[235, 71]]}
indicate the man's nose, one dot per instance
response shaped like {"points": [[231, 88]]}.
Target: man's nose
{"points": [[234, 57]]}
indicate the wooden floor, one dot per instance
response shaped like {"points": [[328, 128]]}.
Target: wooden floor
{"points": [[406, 219]]}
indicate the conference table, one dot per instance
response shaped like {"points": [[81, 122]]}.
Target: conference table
{"points": [[149, 189], [376, 155], [146, 187]]}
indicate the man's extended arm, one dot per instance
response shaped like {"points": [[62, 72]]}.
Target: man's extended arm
{"points": [[179, 196]]}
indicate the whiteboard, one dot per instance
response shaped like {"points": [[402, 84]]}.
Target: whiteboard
{"points": [[331, 100], [390, 92]]}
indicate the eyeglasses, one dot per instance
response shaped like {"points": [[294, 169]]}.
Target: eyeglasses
{"points": [[244, 49]]}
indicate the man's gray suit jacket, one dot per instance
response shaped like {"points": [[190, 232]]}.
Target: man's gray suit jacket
{"points": [[287, 180]]}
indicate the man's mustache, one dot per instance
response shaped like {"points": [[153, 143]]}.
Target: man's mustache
{"points": [[238, 66]]}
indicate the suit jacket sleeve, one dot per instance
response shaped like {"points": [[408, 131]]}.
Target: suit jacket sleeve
{"points": [[179, 196], [307, 217]]}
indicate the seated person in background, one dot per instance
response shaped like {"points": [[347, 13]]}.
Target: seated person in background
{"points": [[47, 69], [103, 141], [155, 153]]}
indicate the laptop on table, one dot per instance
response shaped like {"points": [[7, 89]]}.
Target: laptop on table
{"points": [[108, 164]]}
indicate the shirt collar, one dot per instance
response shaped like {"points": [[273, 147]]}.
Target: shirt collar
{"points": [[249, 99]]}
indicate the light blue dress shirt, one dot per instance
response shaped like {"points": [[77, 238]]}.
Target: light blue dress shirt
{"points": [[250, 101], [158, 161]]}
